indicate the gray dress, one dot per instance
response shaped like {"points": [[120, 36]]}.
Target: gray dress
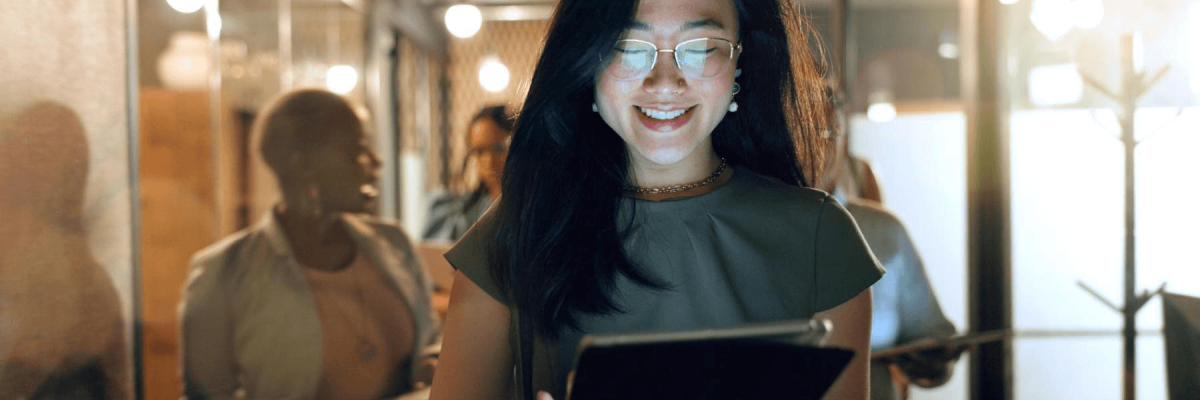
{"points": [[752, 250], [904, 308]]}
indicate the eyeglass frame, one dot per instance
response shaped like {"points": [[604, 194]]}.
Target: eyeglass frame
{"points": [[734, 48], [495, 147]]}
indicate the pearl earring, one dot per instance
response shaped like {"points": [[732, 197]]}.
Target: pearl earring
{"points": [[733, 107], [737, 73], [736, 88], [594, 108]]}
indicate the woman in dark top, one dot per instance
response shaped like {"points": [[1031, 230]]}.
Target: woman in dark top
{"points": [[647, 189], [450, 214]]}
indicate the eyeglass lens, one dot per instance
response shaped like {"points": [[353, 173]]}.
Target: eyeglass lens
{"points": [[697, 58]]}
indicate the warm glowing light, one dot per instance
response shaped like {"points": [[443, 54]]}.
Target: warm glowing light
{"points": [[1088, 13], [948, 51], [493, 76], [186, 6], [1055, 85], [185, 65], [1052, 18], [880, 107], [512, 13], [1006, 2], [463, 20], [341, 79], [881, 112], [212, 24], [948, 44]]}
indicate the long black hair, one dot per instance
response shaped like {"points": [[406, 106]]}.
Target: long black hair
{"points": [[557, 246]]}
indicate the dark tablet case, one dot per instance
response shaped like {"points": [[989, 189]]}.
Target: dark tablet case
{"points": [[727, 368]]}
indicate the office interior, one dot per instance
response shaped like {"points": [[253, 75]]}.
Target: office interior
{"points": [[998, 130]]}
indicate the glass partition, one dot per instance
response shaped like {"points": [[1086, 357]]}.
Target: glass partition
{"points": [[68, 283], [904, 118], [1068, 172]]}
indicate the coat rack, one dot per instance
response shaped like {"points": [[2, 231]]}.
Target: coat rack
{"points": [[1134, 85]]}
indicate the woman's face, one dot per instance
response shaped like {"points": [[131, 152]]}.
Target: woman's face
{"points": [[646, 112], [345, 169], [488, 144]]}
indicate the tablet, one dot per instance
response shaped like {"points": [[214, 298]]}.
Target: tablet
{"points": [[776, 360], [952, 341]]}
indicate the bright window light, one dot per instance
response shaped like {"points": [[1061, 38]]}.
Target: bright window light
{"points": [[1193, 46], [1139, 52], [493, 76], [186, 6], [1055, 85], [1052, 18], [881, 112], [463, 20], [341, 79], [1088, 13]]}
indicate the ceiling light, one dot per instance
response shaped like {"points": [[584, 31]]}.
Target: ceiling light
{"points": [[493, 76], [186, 6], [1052, 18], [463, 20], [341, 79]]}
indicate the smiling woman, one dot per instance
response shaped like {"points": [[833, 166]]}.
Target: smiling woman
{"points": [[324, 302], [657, 180]]}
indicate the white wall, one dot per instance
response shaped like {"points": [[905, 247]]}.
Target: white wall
{"points": [[920, 161]]}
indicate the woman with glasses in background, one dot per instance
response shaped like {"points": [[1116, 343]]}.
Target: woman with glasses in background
{"points": [[658, 180], [450, 215]]}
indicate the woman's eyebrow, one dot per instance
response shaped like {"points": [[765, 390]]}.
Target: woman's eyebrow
{"points": [[707, 23]]}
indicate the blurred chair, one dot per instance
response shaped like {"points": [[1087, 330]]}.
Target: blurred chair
{"points": [[1181, 335], [432, 257]]}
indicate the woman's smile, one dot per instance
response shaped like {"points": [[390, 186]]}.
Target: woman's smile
{"points": [[660, 120]]}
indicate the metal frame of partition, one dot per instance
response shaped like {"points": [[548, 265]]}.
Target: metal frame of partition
{"points": [[989, 274], [135, 219], [989, 233]]}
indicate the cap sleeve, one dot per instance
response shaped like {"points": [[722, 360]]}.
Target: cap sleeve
{"points": [[470, 256], [844, 264]]}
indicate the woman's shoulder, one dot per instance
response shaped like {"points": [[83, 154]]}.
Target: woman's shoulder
{"points": [[750, 186], [471, 255], [237, 245], [229, 260]]}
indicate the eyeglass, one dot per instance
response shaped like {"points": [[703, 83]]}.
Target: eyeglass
{"points": [[702, 58], [496, 147]]}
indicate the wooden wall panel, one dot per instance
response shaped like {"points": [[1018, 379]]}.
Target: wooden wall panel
{"points": [[178, 219]]}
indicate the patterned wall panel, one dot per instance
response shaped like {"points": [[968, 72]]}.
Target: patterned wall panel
{"points": [[517, 45]]}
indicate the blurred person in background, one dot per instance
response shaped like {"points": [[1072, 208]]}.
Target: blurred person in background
{"points": [[905, 309], [62, 335], [318, 300], [451, 214]]}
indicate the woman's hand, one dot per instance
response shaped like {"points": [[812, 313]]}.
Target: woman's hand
{"points": [[929, 368]]}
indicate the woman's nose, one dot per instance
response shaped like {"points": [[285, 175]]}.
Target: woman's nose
{"points": [[665, 77]]}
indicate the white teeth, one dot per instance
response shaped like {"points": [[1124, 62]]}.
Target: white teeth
{"points": [[656, 114], [368, 190]]}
